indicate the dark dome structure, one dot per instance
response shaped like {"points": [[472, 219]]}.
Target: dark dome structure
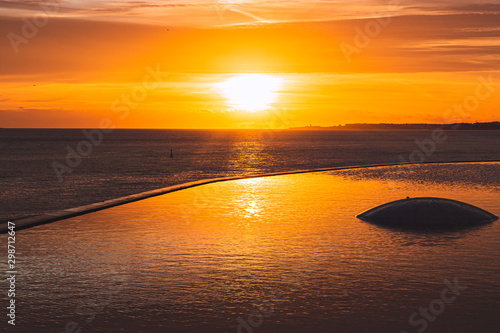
{"points": [[427, 212]]}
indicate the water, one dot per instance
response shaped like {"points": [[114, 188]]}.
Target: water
{"points": [[133, 161], [198, 259]]}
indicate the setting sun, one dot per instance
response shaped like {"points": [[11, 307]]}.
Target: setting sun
{"points": [[251, 92]]}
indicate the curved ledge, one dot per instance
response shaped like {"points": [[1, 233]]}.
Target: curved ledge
{"points": [[31, 221]]}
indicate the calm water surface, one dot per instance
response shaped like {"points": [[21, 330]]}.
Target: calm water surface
{"points": [[198, 259], [134, 161]]}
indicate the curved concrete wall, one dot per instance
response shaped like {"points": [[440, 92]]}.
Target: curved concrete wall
{"points": [[32, 221]]}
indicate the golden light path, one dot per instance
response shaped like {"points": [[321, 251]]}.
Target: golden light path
{"points": [[250, 92]]}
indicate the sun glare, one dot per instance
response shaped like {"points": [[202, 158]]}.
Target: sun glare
{"points": [[251, 92]]}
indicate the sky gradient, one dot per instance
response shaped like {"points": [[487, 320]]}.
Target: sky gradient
{"points": [[338, 62]]}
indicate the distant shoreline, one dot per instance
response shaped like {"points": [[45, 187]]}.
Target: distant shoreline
{"points": [[384, 126], [494, 126]]}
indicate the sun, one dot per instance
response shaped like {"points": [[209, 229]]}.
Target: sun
{"points": [[251, 92]]}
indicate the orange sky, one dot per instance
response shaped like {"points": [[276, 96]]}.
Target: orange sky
{"points": [[413, 61]]}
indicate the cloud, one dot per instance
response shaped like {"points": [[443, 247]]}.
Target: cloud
{"points": [[76, 47], [204, 13], [34, 118], [20, 4], [96, 7], [476, 8]]}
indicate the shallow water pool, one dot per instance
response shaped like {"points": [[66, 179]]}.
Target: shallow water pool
{"points": [[272, 254]]}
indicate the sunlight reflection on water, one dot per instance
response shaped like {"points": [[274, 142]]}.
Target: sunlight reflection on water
{"points": [[197, 259]]}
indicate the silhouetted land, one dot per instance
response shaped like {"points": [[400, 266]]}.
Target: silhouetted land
{"points": [[457, 126]]}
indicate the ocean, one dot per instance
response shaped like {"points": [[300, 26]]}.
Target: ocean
{"points": [[132, 161], [268, 255]]}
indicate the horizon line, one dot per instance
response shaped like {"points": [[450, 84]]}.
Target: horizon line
{"points": [[295, 127]]}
